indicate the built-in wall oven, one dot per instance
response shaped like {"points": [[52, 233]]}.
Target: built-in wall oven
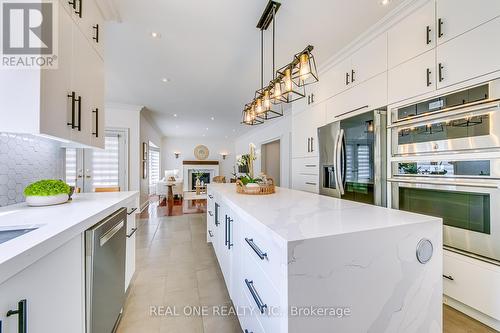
{"points": [[446, 163], [464, 193]]}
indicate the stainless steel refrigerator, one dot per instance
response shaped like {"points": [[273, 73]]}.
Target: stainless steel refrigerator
{"points": [[352, 158]]}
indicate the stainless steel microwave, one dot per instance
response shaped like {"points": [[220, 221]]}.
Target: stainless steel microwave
{"points": [[468, 120]]}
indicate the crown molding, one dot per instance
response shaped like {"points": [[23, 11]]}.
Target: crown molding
{"points": [[382, 26], [109, 10], [123, 106]]}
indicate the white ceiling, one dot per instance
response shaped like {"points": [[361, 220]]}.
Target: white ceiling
{"points": [[210, 52]]}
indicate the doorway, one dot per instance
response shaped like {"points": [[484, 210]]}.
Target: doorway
{"points": [[271, 161]]}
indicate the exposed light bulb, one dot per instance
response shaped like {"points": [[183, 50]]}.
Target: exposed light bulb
{"points": [[287, 80], [277, 90], [304, 68], [266, 101], [258, 106]]}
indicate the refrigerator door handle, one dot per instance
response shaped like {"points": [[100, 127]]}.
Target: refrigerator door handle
{"points": [[338, 162]]}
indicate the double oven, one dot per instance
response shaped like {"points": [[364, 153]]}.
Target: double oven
{"points": [[446, 163]]}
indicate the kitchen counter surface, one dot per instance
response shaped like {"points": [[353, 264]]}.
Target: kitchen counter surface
{"points": [[56, 226], [297, 215]]}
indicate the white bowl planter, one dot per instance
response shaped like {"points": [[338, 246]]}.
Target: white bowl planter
{"points": [[37, 201]]}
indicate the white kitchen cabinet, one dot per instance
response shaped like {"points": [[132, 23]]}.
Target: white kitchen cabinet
{"points": [[366, 96], [305, 174], [41, 100], [412, 78], [130, 246], [304, 130], [470, 55], [412, 36], [370, 60], [52, 288], [456, 17], [472, 282]]}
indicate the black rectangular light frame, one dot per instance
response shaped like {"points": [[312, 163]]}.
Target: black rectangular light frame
{"points": [[267, 16]]}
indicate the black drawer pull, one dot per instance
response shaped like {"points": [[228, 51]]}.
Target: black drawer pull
{"points": [[309, 183], [132, 233], [449, 277], [133, 210], [262, 307], [428, 35], [96, 36], [22, 315], [79, 11], [210, 233], [246, 331], [79, 126], [256, 249], [229, 243], [210, 213], [73, 101], [440, 72], [440, 28], [428, 77]]}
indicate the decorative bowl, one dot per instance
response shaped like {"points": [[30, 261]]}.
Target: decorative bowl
{"points": [[38, 201]]}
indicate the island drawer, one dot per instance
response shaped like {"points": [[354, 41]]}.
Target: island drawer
{"points": [[265, 251], [263, 298], [249, 321], [307, 166]]}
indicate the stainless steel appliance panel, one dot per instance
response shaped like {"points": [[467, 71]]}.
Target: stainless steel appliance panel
{"points": [[328, 136], [105, 250]]}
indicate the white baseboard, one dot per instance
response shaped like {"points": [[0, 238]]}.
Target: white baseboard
{"points": [[471, 312]]}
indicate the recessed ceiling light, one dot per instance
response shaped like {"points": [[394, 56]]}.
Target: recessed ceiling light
{"points": [[234, 130], [203, 135], [155, 34], [213, 118], [206, 128], [165, 80], [385, 2], [175, 114]]}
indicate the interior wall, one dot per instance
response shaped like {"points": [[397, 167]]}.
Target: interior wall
{"points": [[185, 146], [128, 117], [272, 130], [148, 132]]}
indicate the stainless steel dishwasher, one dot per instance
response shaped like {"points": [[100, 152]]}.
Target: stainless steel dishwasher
{"points": [[105, 245]]}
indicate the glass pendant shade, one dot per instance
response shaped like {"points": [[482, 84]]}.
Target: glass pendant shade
{"points": [[290, 91], [304, 70], [250, 115]]}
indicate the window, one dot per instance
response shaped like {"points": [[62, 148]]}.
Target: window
{"points": [[154, 165], [106, 163], [71, 166]]}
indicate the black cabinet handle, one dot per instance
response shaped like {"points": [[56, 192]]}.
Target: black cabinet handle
{"points": [[308, 99], [440, 27], [73, 100], [312, 98], [79, 101], [312, 145], [308, 145], [229, 241], [22, 316], [428, 77], [210, 233], [449, 277], [440, 72], [133, 210], [346, 79], [217, 215], [210, 213], [246, 331], [428, 35], [210, 196], [255, 248], [255, 296], [96, 112], [132, 233], [225, 231], [72, 3], [79, 11], [96, 36], [352, 75]]}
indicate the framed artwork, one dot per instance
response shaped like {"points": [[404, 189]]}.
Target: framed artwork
{"points": [[144, 151], [144, 169]]}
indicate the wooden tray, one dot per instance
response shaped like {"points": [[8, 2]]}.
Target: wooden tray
{"points": [[260, 190]]}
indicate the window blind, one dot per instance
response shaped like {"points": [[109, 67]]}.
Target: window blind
{"points": [[71, 166], [154, 166], [106, 164]]}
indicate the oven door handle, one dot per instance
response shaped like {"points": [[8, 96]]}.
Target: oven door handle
{"points": [[339, 156], [427, 182]]}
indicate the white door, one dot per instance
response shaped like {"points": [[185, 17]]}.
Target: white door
{"points": [[88, 169], [412, 78], [412, 36], [470, 55], [459, 16]]}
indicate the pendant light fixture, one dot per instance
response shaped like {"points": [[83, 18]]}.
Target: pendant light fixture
{"points": [[287, 84]]}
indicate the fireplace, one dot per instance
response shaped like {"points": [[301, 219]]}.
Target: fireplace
{"points": [[205, 179]]}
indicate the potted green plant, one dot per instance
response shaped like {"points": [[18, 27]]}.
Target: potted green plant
{"points": [[47, 192]]}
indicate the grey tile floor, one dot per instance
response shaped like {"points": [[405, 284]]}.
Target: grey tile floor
{"points": [[176, 270]]}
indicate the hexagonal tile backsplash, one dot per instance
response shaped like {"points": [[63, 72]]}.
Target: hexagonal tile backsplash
{"points": [[23, 160]]}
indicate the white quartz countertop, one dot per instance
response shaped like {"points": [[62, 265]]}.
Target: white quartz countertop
{"points": [[297, 215], [56, 225]]}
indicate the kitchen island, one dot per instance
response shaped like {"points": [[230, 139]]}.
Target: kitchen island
{"points": [[45, 267], [299, 262]]}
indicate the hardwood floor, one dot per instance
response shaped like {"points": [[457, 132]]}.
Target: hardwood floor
{"points": [[175, 266], [456, 322]]}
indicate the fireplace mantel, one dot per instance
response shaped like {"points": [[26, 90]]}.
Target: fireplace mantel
{"points": [[200, 162]]}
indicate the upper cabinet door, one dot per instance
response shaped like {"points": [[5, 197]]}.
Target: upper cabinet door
{"points": [[471, 55], [412, 36], [455, 17], [413, 78], [92, 25], [370, 60]]}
